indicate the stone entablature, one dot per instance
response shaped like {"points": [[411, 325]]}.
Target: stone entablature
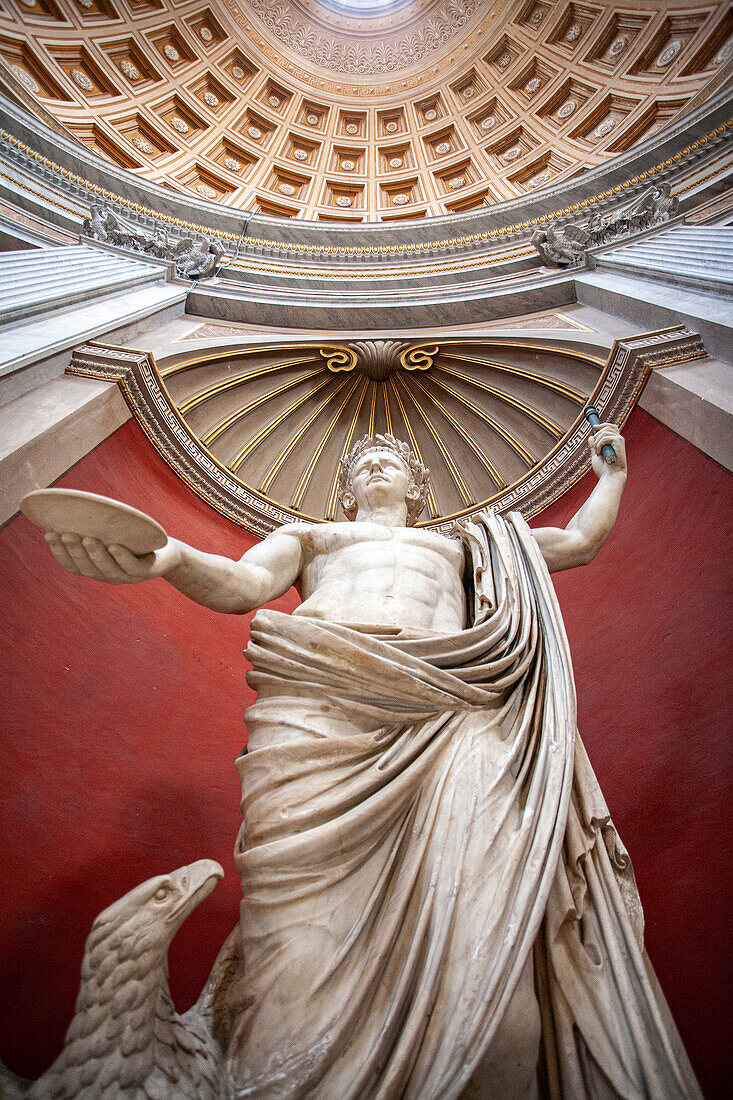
{"points": [[690, 156]]}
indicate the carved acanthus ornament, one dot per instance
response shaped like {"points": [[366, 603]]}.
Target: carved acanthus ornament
{"points": [[414, 43]]}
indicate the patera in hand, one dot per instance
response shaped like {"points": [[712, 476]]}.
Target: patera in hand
{"points": [[71, 511]]}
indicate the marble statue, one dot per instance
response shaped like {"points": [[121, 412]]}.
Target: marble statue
{"points": [[126, 1039], [435, 903]]}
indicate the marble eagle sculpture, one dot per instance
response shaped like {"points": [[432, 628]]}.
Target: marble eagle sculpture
{"points": [[126, 1039]]}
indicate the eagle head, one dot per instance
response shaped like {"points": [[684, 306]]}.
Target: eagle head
{"points": [[147, 918]]}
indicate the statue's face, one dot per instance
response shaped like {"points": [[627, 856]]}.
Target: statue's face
{"points": [[380, 478]]}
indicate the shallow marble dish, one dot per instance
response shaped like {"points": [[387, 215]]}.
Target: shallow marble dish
{"points": [[71, 511]]}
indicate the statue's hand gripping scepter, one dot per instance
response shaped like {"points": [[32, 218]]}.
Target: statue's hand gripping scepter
{"points": [[607, 452]]}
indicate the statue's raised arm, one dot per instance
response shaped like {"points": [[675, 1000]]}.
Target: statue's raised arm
{"points": [[591, 525], [265, 572]]}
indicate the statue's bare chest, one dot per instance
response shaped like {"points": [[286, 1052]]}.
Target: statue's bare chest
{"points": [[351, 548], [369, 572]]}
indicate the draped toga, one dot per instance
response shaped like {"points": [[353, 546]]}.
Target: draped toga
{"points": [[423, 835]]}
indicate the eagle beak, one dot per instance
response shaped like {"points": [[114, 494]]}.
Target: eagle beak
{"points": [[203, 876], [200, 878]]}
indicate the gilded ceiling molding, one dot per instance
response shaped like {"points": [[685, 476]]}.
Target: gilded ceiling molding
{"points": [[48, 170], [518, 442]]}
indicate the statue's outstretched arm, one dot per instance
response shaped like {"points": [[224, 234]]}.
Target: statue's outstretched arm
{"points": [[591, 525], [262, 574]]}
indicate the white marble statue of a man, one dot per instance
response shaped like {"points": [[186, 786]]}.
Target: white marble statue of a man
{"points": [[435, 902]]}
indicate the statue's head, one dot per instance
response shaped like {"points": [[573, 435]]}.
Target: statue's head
{"points": [[413, 478]]}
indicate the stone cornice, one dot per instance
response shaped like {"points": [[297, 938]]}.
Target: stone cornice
{"points": [[83, 176]]}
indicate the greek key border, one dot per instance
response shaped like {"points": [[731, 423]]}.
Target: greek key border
{"points": [[622, 380]]}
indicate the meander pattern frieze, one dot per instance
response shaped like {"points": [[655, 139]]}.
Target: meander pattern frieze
{"points": [[478, 410], [627, 371], [210, 102], [139, 381]]}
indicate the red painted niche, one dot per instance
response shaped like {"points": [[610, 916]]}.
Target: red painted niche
{"points": [[123, 713]]}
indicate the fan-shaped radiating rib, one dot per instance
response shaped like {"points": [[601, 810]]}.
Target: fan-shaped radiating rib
{"points": [[239, 380], [346, 446], [248, 448], [483, 458], [233, 418], [508, 399], [277, 464], [507, 436], [453, 470], [373, 408], [229, 353], [387, 413], [520, 372], [413, 440], [308, 472]]}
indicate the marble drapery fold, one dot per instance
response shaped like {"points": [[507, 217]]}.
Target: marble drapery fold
{"points": [[419, 836]]}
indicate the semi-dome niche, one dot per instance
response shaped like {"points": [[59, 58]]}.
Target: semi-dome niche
{"points": [[259, 430]]}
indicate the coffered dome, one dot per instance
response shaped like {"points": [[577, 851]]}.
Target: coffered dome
{"points": [[362, 110]]}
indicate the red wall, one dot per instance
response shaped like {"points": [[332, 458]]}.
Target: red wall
{"points": [[123, 714]]}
